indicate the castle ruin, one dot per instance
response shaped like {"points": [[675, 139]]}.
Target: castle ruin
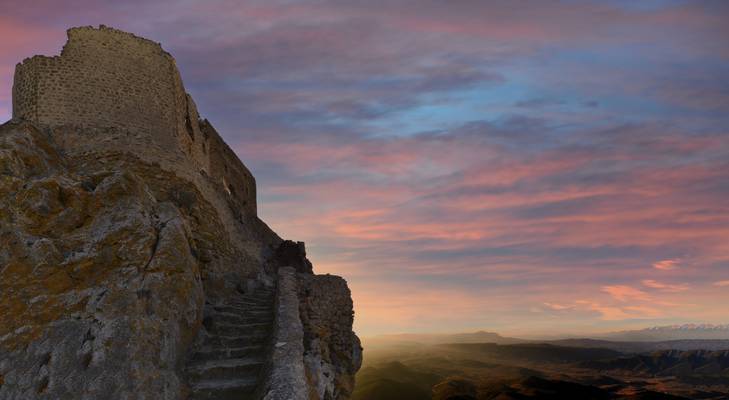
{"points": [[133, 264]]}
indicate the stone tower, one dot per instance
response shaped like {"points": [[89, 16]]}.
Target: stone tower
{"points": [[107, 79]]}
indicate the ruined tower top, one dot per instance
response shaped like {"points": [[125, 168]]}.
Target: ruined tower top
{"points": [[103, 78], [124, 93]]}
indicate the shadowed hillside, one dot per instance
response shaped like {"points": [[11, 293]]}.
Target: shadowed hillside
{"points": [[478, 371]]}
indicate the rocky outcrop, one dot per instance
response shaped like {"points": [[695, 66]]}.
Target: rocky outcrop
{"points": [[333, 353], [132, 262], [91, 262]]}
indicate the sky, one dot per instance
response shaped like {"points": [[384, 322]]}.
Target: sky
{"points": [[524, 167]]}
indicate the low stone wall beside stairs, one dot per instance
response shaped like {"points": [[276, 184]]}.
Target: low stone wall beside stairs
{"points": [[286, 377], [315, 354]]}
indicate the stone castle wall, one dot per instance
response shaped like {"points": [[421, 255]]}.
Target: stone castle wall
{"points": [[105, 78], [236, 179]]}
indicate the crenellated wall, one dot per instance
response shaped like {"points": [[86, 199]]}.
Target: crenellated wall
{"points": [[121, 86]]}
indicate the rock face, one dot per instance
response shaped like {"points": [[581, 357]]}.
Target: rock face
{"points": [[332, 351], [126, 226]]}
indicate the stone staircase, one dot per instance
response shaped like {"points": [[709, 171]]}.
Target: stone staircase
{"points": [[228, 364]]}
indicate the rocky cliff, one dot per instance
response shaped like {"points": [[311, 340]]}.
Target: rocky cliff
{"points": [[132, 262]]}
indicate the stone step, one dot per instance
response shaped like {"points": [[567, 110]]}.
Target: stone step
{"points": [[211, 352], [224, 389], [236, 310], [268, 308], [254, 299], [228, 364], [250, 334], [259, 302], [244, 308], [224, 394], [250, 310], [224, 322], [232, 368], [238, 330], [237, 341], [243, 319], [233, 329], [251, 303], [263, 290], [256, 296]]}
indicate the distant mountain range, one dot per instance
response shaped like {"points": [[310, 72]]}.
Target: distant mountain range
{"points": [[536, 352], [652, 334], [686, 337], [424, 338], [645, 346], [671, 332]]}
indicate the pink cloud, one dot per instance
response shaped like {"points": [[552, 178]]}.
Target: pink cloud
{"points": [[625, 293], [610, 313], [475, 209], [559, 307], [667, 265], [721, 283], [665, 286]]}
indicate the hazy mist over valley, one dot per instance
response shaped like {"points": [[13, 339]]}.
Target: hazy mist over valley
{"points": [[668, 362]]}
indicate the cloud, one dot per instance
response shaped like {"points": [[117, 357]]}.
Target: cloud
{"points": [[667, 265], [625, 293], [559, 307], [664, 286], [721, 283], [621, 312], [611, 313]]}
